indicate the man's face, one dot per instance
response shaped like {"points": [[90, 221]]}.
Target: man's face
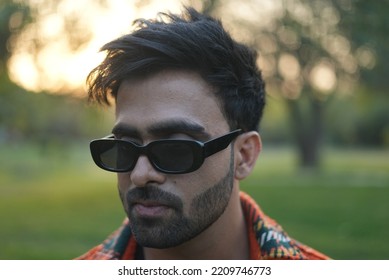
{"points": [[166, 210]]}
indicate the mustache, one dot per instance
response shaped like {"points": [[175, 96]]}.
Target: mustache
{"points": [[154, 194]]}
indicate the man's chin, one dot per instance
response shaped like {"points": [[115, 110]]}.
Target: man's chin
{"points": [[154, 233]]}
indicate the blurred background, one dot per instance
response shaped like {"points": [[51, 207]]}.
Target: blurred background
{"points": [[324, 170]]}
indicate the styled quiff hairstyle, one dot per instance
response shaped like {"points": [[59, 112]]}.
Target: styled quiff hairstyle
{"points": [[191, 41]]}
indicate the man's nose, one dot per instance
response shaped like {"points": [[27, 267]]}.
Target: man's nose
{"points": [[144, 173]]}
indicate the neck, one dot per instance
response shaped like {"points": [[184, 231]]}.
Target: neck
{"points": [[226, 238]]}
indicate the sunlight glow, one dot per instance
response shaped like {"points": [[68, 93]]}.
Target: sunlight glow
{"points": [[289, 67], [323, 77], [22, 69], [43, 60]]}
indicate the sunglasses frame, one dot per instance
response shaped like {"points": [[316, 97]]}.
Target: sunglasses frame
{"points": [[201, 150]]}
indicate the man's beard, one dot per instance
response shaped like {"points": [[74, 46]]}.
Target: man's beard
{"points": [[177, 228]]}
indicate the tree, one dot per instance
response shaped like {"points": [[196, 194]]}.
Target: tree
{"points": [[307, 55], [368, 25], [13, 18], [42, 118], [310, 50]]}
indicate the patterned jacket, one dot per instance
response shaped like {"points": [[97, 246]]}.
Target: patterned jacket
{"points": [[267, 240]]}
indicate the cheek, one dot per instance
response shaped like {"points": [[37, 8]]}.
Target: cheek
{"points": [[210, 173], [216, 166], [123, 180]]}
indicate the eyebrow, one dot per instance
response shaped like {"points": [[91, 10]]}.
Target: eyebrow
{"points": [[125, 129], [165, 128]]}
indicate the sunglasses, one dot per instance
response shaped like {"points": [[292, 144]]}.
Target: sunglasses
{"points": [[171, 156]]}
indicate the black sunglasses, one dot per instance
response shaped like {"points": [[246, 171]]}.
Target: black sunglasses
{"points": [[169, 156]]}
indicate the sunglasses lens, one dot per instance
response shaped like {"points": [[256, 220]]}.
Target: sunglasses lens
{"points": [[173, 156], [114, 155]]}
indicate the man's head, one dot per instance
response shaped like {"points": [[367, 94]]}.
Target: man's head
{"points": [[187, 82]]}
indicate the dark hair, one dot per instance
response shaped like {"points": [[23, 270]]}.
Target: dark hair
{"points": [[192, 41]]}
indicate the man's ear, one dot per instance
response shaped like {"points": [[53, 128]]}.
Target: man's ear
{"points": [[247, 148]]}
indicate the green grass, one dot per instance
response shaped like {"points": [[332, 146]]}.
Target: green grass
{"points": [[55, 204]]}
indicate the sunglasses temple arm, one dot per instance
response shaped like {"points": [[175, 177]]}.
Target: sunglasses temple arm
{"points": [[216, 145]]}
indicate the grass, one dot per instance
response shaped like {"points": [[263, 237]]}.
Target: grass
{"points": [[55, 204]]}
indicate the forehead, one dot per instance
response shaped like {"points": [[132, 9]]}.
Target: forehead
{"points": [[168, 97]]}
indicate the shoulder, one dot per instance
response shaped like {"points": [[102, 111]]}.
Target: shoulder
{"points": [[267, 238], [95, 253], [115, 247]]}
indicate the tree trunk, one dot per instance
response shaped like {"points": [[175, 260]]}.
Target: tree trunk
{"points": [[306, 118]]}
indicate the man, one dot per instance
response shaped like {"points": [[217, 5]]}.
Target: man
{"points": [[188, 104]]}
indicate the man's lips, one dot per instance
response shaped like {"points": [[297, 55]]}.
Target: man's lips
{"points": [[149, 209], [150, 201]]}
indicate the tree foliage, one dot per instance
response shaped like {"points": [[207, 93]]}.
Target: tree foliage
{"points": [[367, 24], [13, 18], [312, 53], [325, 59], [41, 118]]}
